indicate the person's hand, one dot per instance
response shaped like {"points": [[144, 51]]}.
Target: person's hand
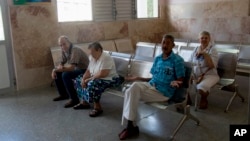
{"points": [[131, 78], [199, 54], [176, 84], [60, 67], [53, 74], [83, 84]]}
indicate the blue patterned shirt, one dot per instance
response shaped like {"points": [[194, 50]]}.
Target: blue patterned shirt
{"points": [[165, 71]]}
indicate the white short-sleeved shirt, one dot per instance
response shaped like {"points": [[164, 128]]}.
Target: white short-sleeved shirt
{"points": [[200, 65], [104, 62]]}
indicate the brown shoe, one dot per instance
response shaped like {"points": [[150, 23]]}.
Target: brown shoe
{"points": [[129, 133], [203, 101], [70, 103]]}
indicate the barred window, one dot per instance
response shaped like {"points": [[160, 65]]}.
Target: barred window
{"points": [[74, 10], [105, 10]]}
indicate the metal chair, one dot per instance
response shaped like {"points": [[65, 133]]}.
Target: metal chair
{"points": [[186, 52], [243, 64], [145, 51], [227, 62], [122, 62], [180, 101]]}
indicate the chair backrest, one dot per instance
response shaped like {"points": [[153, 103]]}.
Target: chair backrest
{"points": [[227, 47], [108, 45], [122, 62], [56, 53], [145, 51], [186, 52], [124, 45], [244, 53], [180, 42], [193, 43], [141, 68], [227, 61]]}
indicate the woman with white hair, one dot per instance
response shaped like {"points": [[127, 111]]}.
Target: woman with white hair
{"points": [[205, 60]]}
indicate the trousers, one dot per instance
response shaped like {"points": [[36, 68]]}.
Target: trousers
{"points": [[139, 91], [65, 85]]}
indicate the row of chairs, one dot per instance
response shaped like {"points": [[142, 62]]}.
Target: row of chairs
{"points": [[147, 51], [123, 45]]}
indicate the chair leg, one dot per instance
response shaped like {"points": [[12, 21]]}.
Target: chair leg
{"points": [[236, 93], [186, 117], [196, 100]]}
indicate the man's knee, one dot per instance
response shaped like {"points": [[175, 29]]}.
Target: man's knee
{"points": [[66, 75]]}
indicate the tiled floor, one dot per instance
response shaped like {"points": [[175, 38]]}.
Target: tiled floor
{"points": [[31, 115]]}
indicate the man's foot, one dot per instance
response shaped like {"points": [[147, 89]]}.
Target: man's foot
{"points": [[60, 98], [203, 101], [81, 106], [129, 133], [70, 103], [95, 112]]}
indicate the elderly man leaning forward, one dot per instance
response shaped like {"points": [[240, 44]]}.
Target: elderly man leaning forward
{"points": [[74, 62], [167, 72]]}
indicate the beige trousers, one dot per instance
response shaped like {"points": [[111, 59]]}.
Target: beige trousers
{"points": [[139, 91]]}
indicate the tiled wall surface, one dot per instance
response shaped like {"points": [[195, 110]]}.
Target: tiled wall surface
{"points": [[35, 29], [226, 20]]}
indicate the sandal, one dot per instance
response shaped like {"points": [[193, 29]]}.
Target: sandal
{"points": [[95, 112]]}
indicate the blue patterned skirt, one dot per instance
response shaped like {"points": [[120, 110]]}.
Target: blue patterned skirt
{"points": [[92, 93]]}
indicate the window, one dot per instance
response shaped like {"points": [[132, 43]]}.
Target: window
{"points": [[105, 10], [74, 10], [1, 26], [147, 8]]}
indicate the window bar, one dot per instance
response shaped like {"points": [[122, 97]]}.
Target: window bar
{"points": [[133, 9], [114, 11]]}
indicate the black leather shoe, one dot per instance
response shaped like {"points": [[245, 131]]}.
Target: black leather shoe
{"points": [[59, 98]]}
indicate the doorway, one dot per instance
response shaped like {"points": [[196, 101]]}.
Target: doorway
{"points": [[6, 61]]}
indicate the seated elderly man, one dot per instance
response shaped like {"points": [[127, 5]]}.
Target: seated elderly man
{"points": [[167, 72], [101, 74], [74, 62]]}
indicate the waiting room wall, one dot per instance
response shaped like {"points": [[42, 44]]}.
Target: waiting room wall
{"points": [[35, 29], [226, 20]]}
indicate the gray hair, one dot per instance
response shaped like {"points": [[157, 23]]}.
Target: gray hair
{"points": [[64, 37], [95, 45], [202, 33]]}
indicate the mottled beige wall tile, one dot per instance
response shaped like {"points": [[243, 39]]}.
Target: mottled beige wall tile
{"points": [[241, 8], [32, 38], [147, 30], [115, 30], [82, 32]]}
